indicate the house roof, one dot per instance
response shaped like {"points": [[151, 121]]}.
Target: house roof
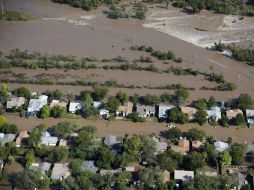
{"points": [[45, 166], [15, 102], [249, 113], [250, 148], [63, 142], [89, 165], [163, 110], [110, 140], [5, 138], [166, 176], [60, 171], [214, 112], [58, 103], [22, 135], [109, 172], [183, 175], [37, 104], [98, 104], [233, 113], [103, 112], [143, 109], [196, 144], [221, 146], [127, 107], [160, 146], [188, 110], [74, 106], [241, 179], [47, 139]]}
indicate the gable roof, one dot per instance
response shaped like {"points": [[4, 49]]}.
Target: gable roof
{"points": [[127, 107], [249, 113], [74, 106], [221, 146], [47, 139], [22, 135], [44, 166], [58, 103], [214, 112], [110, 140], [89, 165], [188, 110], [163, 110], [15, 102], [60, 171], [5, 138], [233, 113], [37, 104], [143, 109]]}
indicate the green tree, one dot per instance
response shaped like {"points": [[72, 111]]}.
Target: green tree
{"points": [[150, 177], [201, 117], [99, 92], [244, 101], [22, 92], [181, 95], [225, 159], [122, 180], [35, 135], [237, 153], [239, 120], [122, 96], [167, 162], [224, 120], [105, 158], [9, 128], [212, 102], [3, 120], [201, 104], [174, 134], [134, 147], [29, 158], [63, 129], [202, 182], [194, 161], [45, 112], [112, 104], [135, 117], [148, 149], [58, 154], [4, 91], [195, 134], [141, 11], [58, 111]]}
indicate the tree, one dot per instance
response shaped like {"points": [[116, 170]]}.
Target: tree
{"points": [[224, 120], [122, 97], [237, 153], [45, 112], [212, 102], [112, 104], [202, 182], [134, 98], [239, 120], [195, 134], [122, 180], [22, 92], [135, 117], [181, 95], [4, 91], [35, 135], [29, 158], [3, 120], [134, 146], [63, 129], [166, 162], [148, 149], [174, 134], [201, 117], [225, 159], [88, 110], [58, 111], [201, 104], [58, 154], [244, 101], [30, 179], [141, 11], [150, 177], [99, 92], [105, 157], [9, 128], [194, 160]]}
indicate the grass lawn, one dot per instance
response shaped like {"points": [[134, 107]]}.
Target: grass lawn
{"points": [[16, 16]]}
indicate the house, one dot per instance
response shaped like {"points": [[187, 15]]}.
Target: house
{"points": [[160, 145], [145, 111], [48, 140], [98, 104], [233, 113], [61, 104], [183, 175], [15, 102], [213, 114], [109, 172], [90, 166], [104, 114], [250, 148], [241, 180], [74, 106], [163, 111], [22, 136], [250, 117], [190, 111], [63, 143], [5, 138], [166, 176], [124, 110], [35, 105], [60, 171], [130, 169], [110, 140], [182, 147], [221, 146], [43, 166], [196, 144]]}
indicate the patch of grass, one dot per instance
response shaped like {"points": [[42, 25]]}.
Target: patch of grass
{"points": [[16, 16]]}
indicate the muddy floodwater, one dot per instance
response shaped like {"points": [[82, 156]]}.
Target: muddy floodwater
{"points": [[67, 30]]}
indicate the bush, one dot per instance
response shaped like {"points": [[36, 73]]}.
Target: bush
{"points": [[135, 117]]}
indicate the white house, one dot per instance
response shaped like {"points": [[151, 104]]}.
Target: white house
{"points": [[74, 106], [104, 114], [35, 105], [221, 146], [213, 113], [60, 171], [184, 175], [250, 117], [145, 111], [163, 111], [48, 140], [15, 102]]}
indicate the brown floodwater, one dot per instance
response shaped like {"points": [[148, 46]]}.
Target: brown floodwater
{"points": [[62, 29]]}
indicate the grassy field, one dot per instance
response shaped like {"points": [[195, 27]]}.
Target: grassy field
{"points": [[16, 16]]}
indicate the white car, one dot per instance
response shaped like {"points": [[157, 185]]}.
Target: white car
{"points": [[170, 126]]}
